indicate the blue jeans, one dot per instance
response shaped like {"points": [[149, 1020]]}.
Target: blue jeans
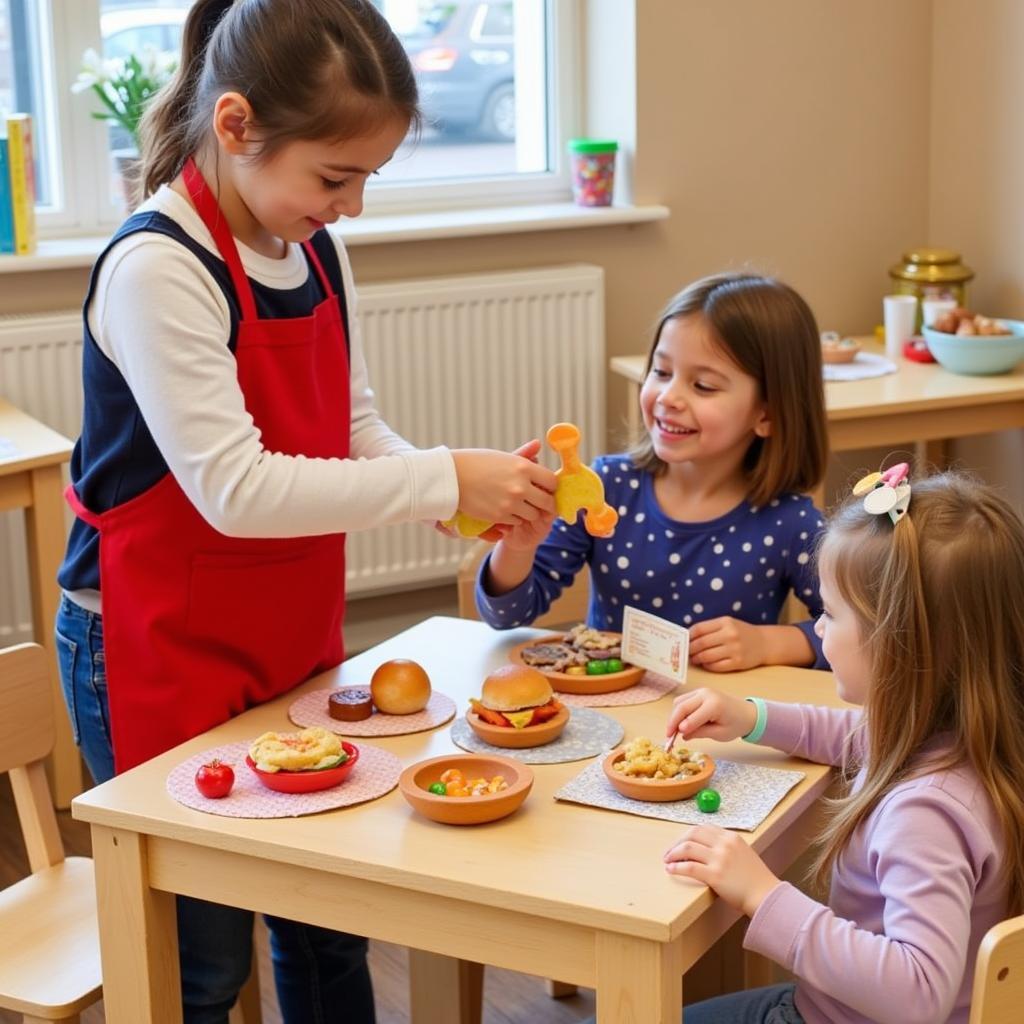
{"points": [[771, 1005], [321, 975]]}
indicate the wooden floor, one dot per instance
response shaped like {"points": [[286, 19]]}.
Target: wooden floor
{"points": [[509, 998]]}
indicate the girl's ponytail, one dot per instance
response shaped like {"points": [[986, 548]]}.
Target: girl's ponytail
{"points": [[167, 126]]}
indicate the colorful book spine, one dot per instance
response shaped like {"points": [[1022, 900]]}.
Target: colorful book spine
{"points": [[6, 207], [23, 182]]}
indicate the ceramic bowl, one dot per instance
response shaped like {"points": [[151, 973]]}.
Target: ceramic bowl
{"points": [[978, 354], [658, 790], [416, 780], [518, 739], [564, 682], [308, 781]]}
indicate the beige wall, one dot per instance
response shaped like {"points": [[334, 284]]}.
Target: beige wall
{"points": [[790, 136], [977, 178]]}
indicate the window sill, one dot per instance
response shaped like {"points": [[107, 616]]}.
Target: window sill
{"points": [[72, 253]]}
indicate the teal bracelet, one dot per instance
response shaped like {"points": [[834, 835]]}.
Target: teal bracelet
{"points": [[755, 734]]}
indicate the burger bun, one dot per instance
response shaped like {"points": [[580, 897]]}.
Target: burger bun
{"points": [[400, 687], [515, 687]]}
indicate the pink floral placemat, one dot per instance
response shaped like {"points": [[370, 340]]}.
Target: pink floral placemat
{"points": [[651, 687], [375, 774], [311, 709]]}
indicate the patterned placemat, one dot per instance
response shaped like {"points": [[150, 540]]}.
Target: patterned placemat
{"points": [[311, 709], [375, 774], [748, 793], [586, 734], [651, 687]]}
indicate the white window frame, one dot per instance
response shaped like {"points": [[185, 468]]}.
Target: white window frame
{"points": [[83, 163]]}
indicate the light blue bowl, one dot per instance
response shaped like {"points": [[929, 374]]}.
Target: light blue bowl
{"points": [[978, 354]]}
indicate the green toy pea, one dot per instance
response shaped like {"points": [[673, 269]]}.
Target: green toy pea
{"points": [[614, 665], [708, 801], [440, 788], [597, 668]]}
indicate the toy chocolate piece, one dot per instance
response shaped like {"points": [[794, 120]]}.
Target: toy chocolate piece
{"points": [[351, 704]]}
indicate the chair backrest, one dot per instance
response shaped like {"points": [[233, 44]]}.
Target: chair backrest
{"points": [[26, 738], [569, 609], [998, 993]]}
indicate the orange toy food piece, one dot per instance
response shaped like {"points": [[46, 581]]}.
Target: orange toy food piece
{"points": [[579, 487], [453, 777], [489, 716]]}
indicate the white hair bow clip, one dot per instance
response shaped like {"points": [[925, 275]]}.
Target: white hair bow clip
{"points": [[886, 493]]}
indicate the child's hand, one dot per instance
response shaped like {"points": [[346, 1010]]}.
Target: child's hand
{"points": [[504, 487], [527, 537], [727, 645], [725, 862], [709, 714]]}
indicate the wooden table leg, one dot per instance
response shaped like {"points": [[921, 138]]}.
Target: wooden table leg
{"points": [[138, 934], [443, 990], [931, 456], [638, 981], [45, 535]]}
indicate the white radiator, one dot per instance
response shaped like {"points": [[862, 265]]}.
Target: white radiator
{"points": [[486, 360]]}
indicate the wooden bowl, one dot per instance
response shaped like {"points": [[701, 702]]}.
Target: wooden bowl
{"points": [[518, 739], [840, 354], [566, 683], [658, 790], [307, 781], [415, 781]]}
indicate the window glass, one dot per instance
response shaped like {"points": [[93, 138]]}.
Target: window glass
{"points": [[23, 84]]}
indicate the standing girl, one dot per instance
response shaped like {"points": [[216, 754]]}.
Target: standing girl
{"points": [[230, 438], [714, 526], [923, 626]]}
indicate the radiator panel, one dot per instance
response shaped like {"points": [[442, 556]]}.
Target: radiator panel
{"points": [[485, 360]]}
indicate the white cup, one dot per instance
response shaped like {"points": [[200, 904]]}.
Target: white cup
{"points": [[900, 312], [932, 309]]}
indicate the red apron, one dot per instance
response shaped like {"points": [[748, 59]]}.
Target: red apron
{"points": [[198, 626]]}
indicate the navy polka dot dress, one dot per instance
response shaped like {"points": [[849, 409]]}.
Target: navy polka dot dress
{"points": [[743, 564]]}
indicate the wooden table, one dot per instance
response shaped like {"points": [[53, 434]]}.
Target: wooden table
{"points": [[557, 890], [31, 457], [922, 403]]}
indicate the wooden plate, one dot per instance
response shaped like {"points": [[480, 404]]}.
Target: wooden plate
{"points": [[519, 739], [415, 782], [566, 683], [659, 790]]}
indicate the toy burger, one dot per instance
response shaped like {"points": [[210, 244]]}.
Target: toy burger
{"points": [[517, 709]]}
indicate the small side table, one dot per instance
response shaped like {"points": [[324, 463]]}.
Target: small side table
{"points": [[31, 456]]}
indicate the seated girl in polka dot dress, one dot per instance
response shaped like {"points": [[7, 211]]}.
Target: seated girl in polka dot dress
{"points": [[715, 529]]}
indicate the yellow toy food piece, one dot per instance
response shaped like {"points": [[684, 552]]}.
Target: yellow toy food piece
{"points": [[579, 487], [467, 526]]}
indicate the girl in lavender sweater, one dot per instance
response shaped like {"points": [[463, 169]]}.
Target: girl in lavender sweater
{"points": [[924, 627]]}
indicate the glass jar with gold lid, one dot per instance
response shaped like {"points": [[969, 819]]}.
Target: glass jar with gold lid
{"points": [[931, 274]]}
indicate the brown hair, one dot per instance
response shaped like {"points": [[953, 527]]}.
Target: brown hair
{"points": [[310, 69], [770, 333], [939, 599]]}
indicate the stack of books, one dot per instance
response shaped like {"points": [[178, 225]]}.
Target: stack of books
{"points": [[17, 187]]}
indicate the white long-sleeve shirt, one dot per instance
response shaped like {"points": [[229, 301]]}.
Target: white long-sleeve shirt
{"points": [[163, 320]]}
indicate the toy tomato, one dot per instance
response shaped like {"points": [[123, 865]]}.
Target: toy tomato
{"points": [[215, 779]]}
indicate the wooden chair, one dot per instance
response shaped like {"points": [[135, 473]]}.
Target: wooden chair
{"points": [[998, 992], [569, 609], [49, 940]]}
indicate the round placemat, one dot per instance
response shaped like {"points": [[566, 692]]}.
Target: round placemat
{"points": [[651, 687], [311, 709], [375, 774], [588, 733]]}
